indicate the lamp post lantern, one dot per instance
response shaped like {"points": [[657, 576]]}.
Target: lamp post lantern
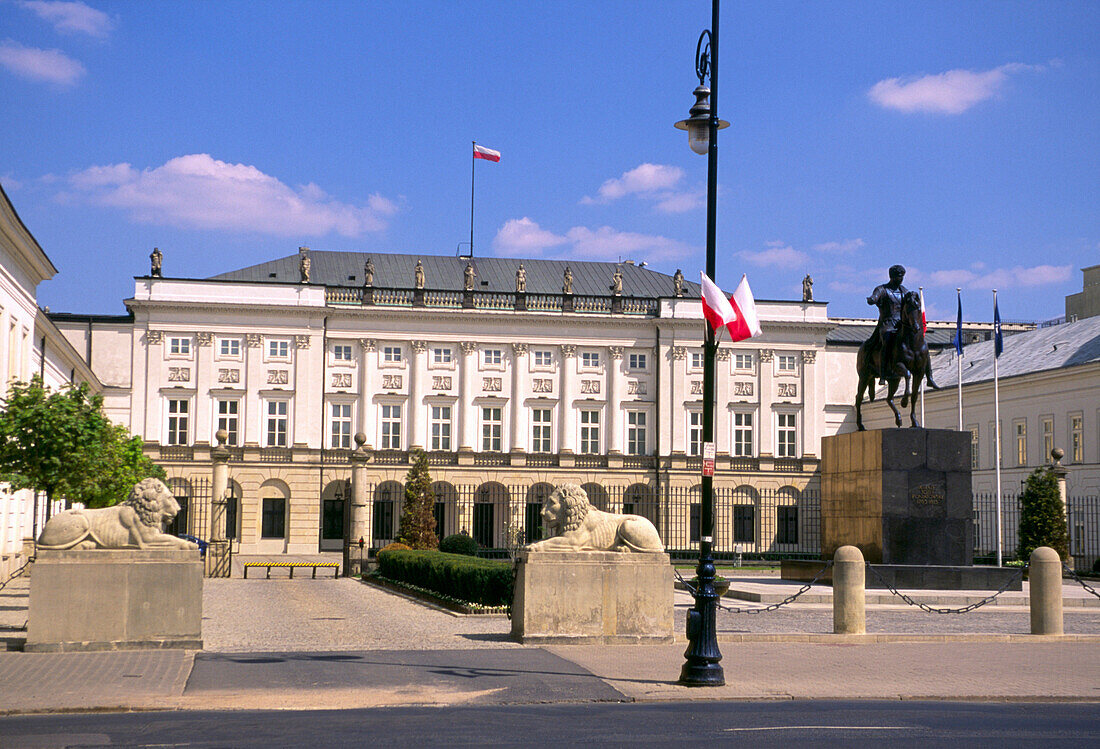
{"points": [[702, 667]]}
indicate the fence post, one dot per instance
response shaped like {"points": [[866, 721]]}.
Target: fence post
{"points": [[849, 599], [217, 552], [360, 526], [1044, 575]]}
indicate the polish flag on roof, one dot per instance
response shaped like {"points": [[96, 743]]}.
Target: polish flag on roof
{"points": [[737, 314], [481, 152]]}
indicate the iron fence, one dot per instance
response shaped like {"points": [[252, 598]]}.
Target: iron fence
{"points": [[194, 496], [1083, 521]]}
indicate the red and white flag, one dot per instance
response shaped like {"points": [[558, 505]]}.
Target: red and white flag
{"points": [[923, 317], [481, 152], [737, 314]]}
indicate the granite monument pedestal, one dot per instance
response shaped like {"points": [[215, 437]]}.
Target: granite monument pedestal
{"points": [[903, 497]]}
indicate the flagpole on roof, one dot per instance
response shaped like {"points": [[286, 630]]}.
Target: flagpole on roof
{"points": [[473, 161], [959, 352], [997, 422]]}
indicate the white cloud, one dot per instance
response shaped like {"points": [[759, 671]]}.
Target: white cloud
{"points": [[525, 237], [845, 247], [71, 17], [49, 65], [775, 253], [952, 92], [653, 182], [199, 192], [679, 202], [998, 278]]}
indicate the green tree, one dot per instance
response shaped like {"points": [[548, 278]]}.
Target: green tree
{"points": [[1042, 516], [61, 443], [417, 528]]}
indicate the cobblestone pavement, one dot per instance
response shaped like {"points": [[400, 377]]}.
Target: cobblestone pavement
{"points": [[343, 614]]}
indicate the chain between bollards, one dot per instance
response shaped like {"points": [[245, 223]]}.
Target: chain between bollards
{"points": [[933, 610], [770, 607], [1084, 585]]}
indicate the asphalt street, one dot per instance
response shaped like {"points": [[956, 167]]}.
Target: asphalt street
{"points": [[758, 724]]}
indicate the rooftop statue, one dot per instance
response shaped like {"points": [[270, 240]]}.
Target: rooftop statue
{"points": [[418, 275], [678, 282], [368, 273], [468, 277], [617, 281], [807, 288], [137, 522], [576, 525], [304, 264], [521, 279], [155, 260], [567, 281]]}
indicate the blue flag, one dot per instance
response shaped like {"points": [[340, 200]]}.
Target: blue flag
{"points": [[959, 328], [998, 343]]}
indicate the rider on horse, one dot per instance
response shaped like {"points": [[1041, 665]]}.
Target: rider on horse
{"points": [[887, 297]]}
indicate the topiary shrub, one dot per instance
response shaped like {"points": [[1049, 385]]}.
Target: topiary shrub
{"points": [[459, 543], [395, 546], [417, 528], [1042, 516], [484, 581]]}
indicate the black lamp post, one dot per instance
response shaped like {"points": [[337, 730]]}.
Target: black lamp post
{"points": [[702, 667]]}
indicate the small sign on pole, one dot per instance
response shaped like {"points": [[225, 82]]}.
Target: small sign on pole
{"points": [[708, 458]]}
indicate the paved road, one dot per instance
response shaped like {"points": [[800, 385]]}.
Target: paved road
{"points": [[775, 724]]}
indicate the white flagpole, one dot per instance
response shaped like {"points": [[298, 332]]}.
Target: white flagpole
{"points": [[922, 422], [959, 361], [997, 441]]}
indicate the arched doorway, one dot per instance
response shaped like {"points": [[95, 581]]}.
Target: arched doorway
{"points": [[446, 508], [537, 495], [233, 511], [181, 490], [334, 500], [490, 514], [597, 495], [274, 511], [640, 499], [388, 498]]}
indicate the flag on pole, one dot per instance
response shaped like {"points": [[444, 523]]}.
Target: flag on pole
{"points": [[923, 317], [737, 314], [998, 342], [481, 152], [958, 339]]}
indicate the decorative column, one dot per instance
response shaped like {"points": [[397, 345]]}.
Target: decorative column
{"points": [[614, 399], [567, 422], [154, 377], [203, 377], [308, 402], [253, 382], [766, 417], [1060, 472], [467, 417], [676, 395], [367, 347], [217, 557], [419, 434], [810, 436], [360, 526], [722, 430], [519, 413]]}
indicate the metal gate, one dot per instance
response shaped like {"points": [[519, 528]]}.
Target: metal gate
{"points": [[194, 496]]}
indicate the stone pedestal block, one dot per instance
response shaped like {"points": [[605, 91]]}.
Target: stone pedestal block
{"points": [[115, 600], [592, 597], [902, 496]]}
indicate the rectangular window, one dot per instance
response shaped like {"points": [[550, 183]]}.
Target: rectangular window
{"points": [[590, 432], [278, 349], [744, 524], [544, 359], [273, 522], [179, 346], [178, 421], [590, 360], [695, 432], [742, 362], [341, 353], [975, 449], [441, 428], [1021, 443], [1048, 438], [341, 426], [492, 429], [1077, 438], [742, 435], [229, 419], [787, 437], [493, 357], [391, 427], [787, 363], [276, 423], [442, 356], [391, 354], [635, 432], [786, 531], [540, 430], [637, 361], [696, 359], [229, 347]]}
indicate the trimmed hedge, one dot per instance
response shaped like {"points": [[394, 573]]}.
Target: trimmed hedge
{"points": [[459, 543], [484, 581]]}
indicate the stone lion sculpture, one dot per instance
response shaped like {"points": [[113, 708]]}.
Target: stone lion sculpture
{"points": [[137, 522], [578, 526]]}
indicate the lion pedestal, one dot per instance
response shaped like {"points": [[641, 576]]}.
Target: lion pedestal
{"points": [[592, 597], [115, 599]]}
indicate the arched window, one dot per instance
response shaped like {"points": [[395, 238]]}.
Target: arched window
{"points": [[388, 498], [446, 508]]}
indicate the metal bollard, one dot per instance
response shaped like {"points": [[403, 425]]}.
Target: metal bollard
{"points": [[1044, 575], [849, 600]]}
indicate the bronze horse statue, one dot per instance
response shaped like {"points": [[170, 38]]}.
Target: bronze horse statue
{"points": [[910, 357]]}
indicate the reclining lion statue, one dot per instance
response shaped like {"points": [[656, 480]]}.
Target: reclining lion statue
{"points": [[578, 526], [137, 522]]}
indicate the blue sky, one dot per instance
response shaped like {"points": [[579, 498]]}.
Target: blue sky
{"points": [[959, 139]]}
